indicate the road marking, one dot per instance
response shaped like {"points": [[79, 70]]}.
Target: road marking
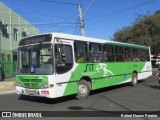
{"points": [[7, 92]]}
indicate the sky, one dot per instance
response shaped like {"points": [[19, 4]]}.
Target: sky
{"points": [[102, 18]]}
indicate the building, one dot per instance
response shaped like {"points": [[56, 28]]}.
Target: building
{"points": [[12, 29]]}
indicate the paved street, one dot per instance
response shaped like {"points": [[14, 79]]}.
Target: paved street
{"points": [[143, 97]]}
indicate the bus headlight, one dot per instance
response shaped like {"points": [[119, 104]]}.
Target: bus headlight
{"points": [[18, 84], [44, 86]]}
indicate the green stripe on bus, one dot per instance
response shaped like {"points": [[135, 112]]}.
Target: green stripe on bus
{"points": [[107, 74], [127, 45]]}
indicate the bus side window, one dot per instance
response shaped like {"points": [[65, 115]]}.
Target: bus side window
{"points": [[119, 53], [135, 54], [81, 52], [141, 54], [96, 52], [109, 53], [128, 54], [147, 55], [144, 55]]}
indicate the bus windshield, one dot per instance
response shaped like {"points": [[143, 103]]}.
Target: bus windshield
{"points": [[35, 59]]}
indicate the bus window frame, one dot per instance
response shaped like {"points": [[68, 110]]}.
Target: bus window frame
{"points": [[63, 64], [85, 55], [100, 52], [112, 54]]}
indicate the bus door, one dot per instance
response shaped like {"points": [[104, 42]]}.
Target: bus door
{"points": [[64, 67]]}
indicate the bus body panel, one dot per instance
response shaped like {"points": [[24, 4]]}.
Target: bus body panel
{"points": [[101, 74], [63, 81], [108, 74]]}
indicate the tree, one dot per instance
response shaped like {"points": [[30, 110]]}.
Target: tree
{"points": [[144, 31]]}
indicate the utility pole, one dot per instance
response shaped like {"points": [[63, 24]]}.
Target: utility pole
{"points": [[81, 20]]}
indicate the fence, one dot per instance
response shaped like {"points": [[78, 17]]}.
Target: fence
{"points": [[8, 69]]}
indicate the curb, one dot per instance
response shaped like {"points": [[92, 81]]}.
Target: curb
{"points": [[4, 85]]}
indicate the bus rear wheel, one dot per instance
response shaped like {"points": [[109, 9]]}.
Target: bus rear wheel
{"points": [[83, 89], [134, 79]]}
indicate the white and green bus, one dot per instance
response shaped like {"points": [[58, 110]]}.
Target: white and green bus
{"points": [[56, 65]]}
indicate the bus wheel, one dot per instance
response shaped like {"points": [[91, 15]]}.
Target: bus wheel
{"points": [[83, 89], [134, 79]]}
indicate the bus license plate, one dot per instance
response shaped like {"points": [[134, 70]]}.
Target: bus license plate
{"points": [[31, 92]]}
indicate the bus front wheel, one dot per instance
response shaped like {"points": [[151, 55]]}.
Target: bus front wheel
{"points": [[83, 89], [134, 79]]}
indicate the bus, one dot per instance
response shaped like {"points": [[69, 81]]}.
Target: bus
{"points": [[55, 65]]}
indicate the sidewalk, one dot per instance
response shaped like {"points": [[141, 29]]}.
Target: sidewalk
{"points": [[8, 83]]}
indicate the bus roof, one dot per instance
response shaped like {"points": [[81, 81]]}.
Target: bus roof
{"points": [[87, 39]]}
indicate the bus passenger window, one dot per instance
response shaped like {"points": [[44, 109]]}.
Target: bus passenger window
{"points": [[96, 54], [81, 52], [147, 56], [135, 54], [128, 54], [119, 53], [109, 53]]}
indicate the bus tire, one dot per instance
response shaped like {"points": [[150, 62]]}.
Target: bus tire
{"points": [[83, 89], [134, 79]]}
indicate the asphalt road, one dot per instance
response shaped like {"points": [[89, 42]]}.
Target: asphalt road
{"points": [[143, 97]]}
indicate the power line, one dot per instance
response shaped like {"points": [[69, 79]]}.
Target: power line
{"points": [[31, 13], [75, 27], [23, 25], [39, 22], [51, 24], [65, 29], [62, 21], [79, 31], [65, 3], [122, 10], [88, 7], [3, 16], [15, 16]]}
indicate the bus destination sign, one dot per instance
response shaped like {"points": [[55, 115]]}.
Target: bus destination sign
{"points": [[36, 39]]}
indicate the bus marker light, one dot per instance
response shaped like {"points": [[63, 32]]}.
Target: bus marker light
{"points": [[51, 85], [18, 84]]}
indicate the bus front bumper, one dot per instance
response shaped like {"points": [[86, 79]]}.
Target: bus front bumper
{"points": [[48, 92]]}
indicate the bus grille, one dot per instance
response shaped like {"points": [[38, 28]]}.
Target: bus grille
{"points": [[32, 83]]}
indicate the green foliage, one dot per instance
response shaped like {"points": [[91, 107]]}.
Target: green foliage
{"points": [[144, 31]]}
